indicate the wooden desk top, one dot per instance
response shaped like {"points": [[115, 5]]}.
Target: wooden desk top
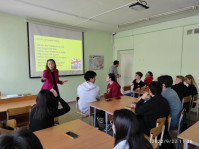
{"points": [[115, 104], [141, 91], [191, 134], [89, 137], [17, 102]]}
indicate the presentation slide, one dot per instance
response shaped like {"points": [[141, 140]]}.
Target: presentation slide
{"points": [[67, 53], [51, 42]]}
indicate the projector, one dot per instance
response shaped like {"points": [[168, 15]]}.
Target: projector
{"points": [[143, 4]]}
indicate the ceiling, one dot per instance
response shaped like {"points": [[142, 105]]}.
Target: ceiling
{"points": [[104, 15]]}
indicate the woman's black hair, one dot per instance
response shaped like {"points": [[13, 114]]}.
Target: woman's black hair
{"points": [[127, 128], [150, 73], [155, 87], [22, 139], [89, 75], [47, 68], [45, 104], [166, 79], [112, 76]]}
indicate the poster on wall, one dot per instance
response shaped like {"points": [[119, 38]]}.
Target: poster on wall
{"points": [[96, 62]]}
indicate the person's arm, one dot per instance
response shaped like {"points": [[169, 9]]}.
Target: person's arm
{"points": [[65, 108], [45, 76]]}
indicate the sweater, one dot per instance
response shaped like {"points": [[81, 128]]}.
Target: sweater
{"points": [[113, 90], [36, 124], [148, 112], [87, 92]]}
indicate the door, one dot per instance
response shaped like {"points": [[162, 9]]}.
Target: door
{"points": [[126, 67]]}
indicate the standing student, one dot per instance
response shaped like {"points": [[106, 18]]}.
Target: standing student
{"points": [[127, 131], [51, 76], [43, 112], [113, 88], [113, 69], [137, 83]]}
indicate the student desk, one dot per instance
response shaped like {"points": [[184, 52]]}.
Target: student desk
{"points": [[110, 106], [140, 92], [191, 135], [89, 137], [17, 102]]}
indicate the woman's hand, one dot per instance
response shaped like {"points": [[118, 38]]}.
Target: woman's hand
{"points": [[65, 81], [54, 92], [44, 79]]}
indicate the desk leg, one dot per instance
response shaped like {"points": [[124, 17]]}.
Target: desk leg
{"points": [[89, 109], [106, 121], [186, 144], [94, 116], [197, 113]]}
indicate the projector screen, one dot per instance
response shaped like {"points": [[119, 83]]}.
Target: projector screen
{"points": [[62, 45]]}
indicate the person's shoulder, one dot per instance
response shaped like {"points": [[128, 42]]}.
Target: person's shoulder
{"points": [[123, 144]]}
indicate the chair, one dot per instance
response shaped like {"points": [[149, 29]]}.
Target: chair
{"points": [[126, 88], [82, 115], [189, 100], [178, 130], [156, 131], [21, 115]]}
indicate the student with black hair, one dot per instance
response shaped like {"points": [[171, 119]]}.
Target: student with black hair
{"points": [[148, 78], [88, 91], [113, 69], [172, 97], [43, 112], [137, 83], [156, 107], [22, 139], [128, 134], [113, 88]]}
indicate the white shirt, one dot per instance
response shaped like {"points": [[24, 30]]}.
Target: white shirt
{"points": [[87, 92], [122, 145]]}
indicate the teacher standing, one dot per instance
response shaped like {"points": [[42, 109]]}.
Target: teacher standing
{"points": [[51, 76]]}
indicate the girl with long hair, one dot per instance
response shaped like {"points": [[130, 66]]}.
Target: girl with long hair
{"points": [[192, 86], [43, 112], [113, 88], [127, 131]]}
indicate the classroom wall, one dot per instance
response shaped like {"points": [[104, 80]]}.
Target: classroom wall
{"points": [[14, 64], [164, 48]]}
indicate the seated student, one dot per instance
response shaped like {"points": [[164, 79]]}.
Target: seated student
{"points": [[137, 83], [172, 97], [156, 107], [180, 88], [88, 91], [192, 86], [148, 78], [128, 134], [43, 112], [113, 88], [22, 139]]}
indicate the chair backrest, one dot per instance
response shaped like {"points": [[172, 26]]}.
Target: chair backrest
{"points": [[11, 123], [180, 123], [21, 115], [3, 116], [82, 115], [126, 88], [159, 129], [195, 97], [105, 95], [187, 99], [169, 122]]}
